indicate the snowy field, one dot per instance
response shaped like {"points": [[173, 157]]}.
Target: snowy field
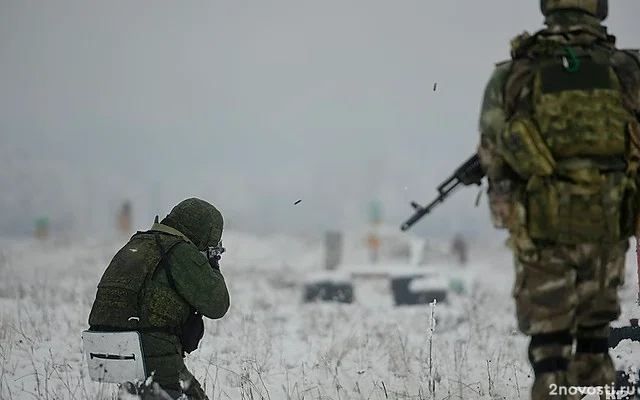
{"points": [[270, 345]]}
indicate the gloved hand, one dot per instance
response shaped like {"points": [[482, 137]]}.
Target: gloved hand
{"points": [[214, 254], [470, 172], [215, 263], [472, 178]]}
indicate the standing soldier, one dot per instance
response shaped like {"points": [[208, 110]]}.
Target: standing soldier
{"points": [[560, 147], [160, 284]]}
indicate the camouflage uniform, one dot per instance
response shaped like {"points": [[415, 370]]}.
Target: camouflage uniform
{"points": [[160, 277], [569, 252]]}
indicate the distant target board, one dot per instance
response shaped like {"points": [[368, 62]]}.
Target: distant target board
{"points": [[408, 286], [410, 290], [341, 292]]}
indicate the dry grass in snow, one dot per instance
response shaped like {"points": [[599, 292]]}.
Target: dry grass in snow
{"points": [[270, 345]]}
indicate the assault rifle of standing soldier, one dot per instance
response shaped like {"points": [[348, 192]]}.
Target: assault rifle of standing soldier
{"points": [[560, 146]]}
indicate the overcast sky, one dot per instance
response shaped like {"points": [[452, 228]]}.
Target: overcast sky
{"points": [[251, 105]]}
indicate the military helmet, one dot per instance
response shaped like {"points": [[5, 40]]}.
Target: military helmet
{"points": [[198, 220], [597, 8]]}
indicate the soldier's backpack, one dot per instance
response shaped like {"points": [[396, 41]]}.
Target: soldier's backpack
{"points": [[118, 304], [573, 137], [118, 307]]}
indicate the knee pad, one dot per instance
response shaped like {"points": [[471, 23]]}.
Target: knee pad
{"points": [[559, 338], [550, 365], [552, 362], [592, 345], [589, 340]]}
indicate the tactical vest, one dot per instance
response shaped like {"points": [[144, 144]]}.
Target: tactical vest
{"points": [[120, 300], [572, 139]]}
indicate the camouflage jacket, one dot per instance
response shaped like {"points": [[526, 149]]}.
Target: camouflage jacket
{"points": [[136, 284], [495, 112]]}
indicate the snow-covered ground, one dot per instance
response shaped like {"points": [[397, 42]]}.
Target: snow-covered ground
{"points": [[270, 345]]}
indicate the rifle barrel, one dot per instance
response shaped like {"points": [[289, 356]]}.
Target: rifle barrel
{"points": [[422, 211], [468, 172]]}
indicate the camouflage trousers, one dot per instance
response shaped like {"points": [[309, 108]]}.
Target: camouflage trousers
{"points": [[566, 295]]}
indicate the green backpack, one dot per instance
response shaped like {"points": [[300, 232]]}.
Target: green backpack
{"points": [[118, 304], [572, 138]]}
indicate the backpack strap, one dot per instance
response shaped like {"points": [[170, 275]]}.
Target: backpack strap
{"points": [[521, 71], [167, 267], [173, 330], [520, 75]]}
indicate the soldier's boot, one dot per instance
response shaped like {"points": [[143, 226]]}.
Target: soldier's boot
{"points": [[151, 391], [191, 387], [155, 392], [549, 355], [551, 386], [591, 364], [127, 390]]}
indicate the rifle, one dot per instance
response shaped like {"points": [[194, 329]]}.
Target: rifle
{"points": [[470, 172]]}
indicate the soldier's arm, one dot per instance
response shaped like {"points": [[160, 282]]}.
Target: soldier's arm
{"points": [[636, 56], [627, 63], [500, 176], [199, 284], [492, 122]]}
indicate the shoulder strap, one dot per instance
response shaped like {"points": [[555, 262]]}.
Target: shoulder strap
{"points": [[521, 72], [165, 265], [520, 44], [522, 69], [158, 227], [161, 263], [167, 268]]}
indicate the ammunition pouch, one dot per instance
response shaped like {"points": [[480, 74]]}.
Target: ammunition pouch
{"points": [[523, 148], [571, 212], [192, 332], [573, 200]]}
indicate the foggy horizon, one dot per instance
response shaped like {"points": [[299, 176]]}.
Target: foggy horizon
{"points": [[251, 106]]}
